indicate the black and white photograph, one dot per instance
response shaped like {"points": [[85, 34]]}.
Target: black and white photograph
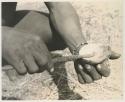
{"points": [[62, 50]]}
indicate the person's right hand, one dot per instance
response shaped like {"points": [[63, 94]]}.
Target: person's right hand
{"points": [[25, 52]]}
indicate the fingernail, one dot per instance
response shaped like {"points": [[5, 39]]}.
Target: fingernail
{"points": [[80, 67], [52, 70], [99, 66], [88, 67], [50, 67]]}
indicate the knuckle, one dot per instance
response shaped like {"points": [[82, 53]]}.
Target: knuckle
{"points": [[89, 68], [37, 38], [28, 44], [14, 50]]}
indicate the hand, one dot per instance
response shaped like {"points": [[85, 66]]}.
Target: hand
{"points": [[98, 52], [88, 73], [25, 52]]}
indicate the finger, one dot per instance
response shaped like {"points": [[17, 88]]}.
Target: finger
{"points": [[50, 64], [114, 55], [30, 63], [80, 79], [84, 75], [15, 59], [103, 68], [43, 58], [92, 72], [12, 74], [19, 66], [90, 69]]}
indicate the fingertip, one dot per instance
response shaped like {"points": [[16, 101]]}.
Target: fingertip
{"points": [[21, 72], [50, 67], [32, 71], [89, 81], [80, 79], [103, 69]]}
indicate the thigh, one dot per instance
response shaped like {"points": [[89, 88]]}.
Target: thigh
{"points": [[38, 23]]}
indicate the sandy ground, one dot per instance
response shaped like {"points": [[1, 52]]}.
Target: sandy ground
{"points": [[100, 22]]}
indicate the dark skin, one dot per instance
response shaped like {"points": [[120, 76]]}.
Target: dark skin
{"points": [[46, 33]]}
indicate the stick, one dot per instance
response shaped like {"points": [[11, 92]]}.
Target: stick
{"points": [[54, 60]]}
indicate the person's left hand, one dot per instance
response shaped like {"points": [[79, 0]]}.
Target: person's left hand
{"points": [[88, 73], [99, 52]]}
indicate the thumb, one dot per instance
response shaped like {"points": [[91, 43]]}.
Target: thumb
{"points": [[114, 55]]}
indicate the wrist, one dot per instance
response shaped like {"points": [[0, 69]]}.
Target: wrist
{"points": [[76, 50]]}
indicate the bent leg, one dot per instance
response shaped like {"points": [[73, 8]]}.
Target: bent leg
{"points": [[38, 23]]}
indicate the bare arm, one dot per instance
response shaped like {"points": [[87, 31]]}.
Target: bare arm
{"points": [[66, 21]]}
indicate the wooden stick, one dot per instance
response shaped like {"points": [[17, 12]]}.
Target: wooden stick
{"points": [[54, 60]]}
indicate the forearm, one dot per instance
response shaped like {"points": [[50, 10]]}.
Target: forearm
{"points": [[65, 20]]}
